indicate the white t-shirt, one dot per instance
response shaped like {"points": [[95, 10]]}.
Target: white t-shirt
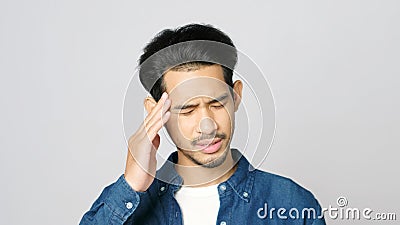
{"points": [[199, 205]]}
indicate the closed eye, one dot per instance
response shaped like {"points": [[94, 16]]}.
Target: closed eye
{"points": [[217, 106], [187, 112]]}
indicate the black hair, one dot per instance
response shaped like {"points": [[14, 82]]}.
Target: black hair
{"points": [[186, 47]]}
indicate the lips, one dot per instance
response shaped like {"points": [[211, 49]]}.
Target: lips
{"points": [[205, 142], [209, 146]]}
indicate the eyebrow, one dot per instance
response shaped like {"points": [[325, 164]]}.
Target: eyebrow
{"points": [[219, 99], [212, 101]]}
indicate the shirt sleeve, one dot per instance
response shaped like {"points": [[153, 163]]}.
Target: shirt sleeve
{"points": [[115, 204]]}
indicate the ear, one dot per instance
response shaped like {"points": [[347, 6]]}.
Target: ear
{"points": [[149, 104], [237, 89]]}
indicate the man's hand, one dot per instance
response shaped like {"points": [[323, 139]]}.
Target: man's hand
{"points": [[141, 162]]}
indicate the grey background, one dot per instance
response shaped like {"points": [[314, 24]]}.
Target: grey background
{"points": [[333, 68]]}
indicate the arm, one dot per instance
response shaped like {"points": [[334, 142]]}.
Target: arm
{"points": [[115, 204], [119, 200]]}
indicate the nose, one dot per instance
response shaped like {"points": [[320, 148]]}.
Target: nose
{"points": [[207, 126]]}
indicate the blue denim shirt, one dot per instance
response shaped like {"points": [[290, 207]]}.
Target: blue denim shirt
{"points": [[249, 196]]}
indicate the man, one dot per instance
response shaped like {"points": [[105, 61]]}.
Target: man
{"points": [[188, 71]]}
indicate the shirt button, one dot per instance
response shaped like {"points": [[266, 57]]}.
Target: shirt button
{"points": [[162, 188], [245, 194], [129, 205], [223, 223], [222, 188]]}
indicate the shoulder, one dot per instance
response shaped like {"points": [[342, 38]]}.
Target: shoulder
{"points": [[281, 190]]}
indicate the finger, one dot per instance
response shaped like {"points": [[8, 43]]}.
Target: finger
{"points": [[156, 127], [157, 107], [159, 115]]}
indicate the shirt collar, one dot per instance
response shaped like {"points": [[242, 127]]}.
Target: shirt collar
{"points": [[241, 181]]}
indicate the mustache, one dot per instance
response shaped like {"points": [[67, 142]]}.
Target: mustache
{"points": [[208, 137]]}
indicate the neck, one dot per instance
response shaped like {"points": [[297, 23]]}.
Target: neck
{"points": [[198, 176]]}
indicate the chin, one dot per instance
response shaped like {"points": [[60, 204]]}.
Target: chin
{"points": [[211, 160], [217, 161]]}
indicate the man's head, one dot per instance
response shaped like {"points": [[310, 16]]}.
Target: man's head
{"points": [[194, 64]]}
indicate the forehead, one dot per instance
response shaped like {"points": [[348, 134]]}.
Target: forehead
{"points": [[174, 78], [207, 81]]}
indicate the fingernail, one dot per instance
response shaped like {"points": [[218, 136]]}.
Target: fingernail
{"points": [[164, 95]]}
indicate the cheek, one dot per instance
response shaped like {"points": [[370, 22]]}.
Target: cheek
{"points": [[224, 120], [172, 128], [180, 127], [187, 126]]}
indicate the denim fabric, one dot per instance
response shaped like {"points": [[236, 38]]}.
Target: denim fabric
{"points": [[248, 197]]}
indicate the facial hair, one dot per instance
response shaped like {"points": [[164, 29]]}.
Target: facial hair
{"points": [[215, 162]]}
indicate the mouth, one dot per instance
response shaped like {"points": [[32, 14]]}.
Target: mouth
{"points": [[208, 146]]}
